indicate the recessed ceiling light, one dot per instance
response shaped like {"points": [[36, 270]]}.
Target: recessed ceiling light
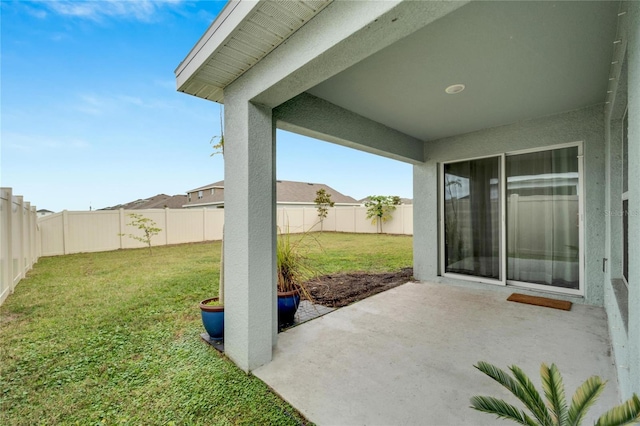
{"points": [[454, 88]]}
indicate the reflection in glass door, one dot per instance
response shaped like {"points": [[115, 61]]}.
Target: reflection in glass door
{"points": [[514, 219], [543, 218], [472, 218]]}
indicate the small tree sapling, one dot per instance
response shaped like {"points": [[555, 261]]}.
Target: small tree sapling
{"points": [[379, 208], [323, 202], [146, 225]]}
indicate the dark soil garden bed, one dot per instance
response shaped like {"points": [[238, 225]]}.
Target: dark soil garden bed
{"points": [[337, 290]]}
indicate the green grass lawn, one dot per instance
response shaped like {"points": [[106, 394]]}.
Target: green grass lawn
{"points": [[113, 338]]}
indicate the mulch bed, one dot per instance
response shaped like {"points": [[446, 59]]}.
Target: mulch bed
{"points": [[343, 289]]}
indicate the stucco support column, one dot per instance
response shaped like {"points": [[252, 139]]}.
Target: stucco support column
{"points": [[249, 248], [425, 221]]}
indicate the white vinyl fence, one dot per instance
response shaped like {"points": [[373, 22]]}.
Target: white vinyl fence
{"points": [[76, 232], [82, 232], [344, 219], [20, 240], [25, 237]]}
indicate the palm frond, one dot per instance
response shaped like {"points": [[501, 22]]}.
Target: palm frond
{"points": [[488, 404], [554, 391], [536, 403], [624, 414], [583, 399], [504, 379]]}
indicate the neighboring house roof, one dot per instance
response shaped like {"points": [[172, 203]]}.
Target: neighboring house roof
{"points": [[159, 201], [288, 192], [218, 184], [302, 192]]}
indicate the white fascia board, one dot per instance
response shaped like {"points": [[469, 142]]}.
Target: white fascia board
{"points": [[219, 32]]}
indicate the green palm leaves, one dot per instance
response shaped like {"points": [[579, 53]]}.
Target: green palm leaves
{"points": [[555, 412]]}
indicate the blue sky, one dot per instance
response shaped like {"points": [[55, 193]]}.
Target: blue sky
{"points": [[90, 115]]}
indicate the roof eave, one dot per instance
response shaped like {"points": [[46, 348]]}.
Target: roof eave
{"points": [[209, 67], [219, 32]]}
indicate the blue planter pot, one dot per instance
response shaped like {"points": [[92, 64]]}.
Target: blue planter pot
{"points": [[213, 318], [288, 303]]}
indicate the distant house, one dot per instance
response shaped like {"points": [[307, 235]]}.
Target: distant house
{"points": [[159, 201], [289, 194], [44, 212]]}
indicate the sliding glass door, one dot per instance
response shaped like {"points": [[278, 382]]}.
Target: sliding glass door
{"points": [[472, 217], [543, 218], [514, 219]]}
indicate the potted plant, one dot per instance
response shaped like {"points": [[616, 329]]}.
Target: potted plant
{"points": [[293, 269], [212, 313], [212, 309]]}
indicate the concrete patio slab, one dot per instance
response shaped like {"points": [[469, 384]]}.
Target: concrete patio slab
{"points": [[405, 356]]}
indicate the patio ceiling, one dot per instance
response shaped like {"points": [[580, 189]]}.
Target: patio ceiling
{"points": [[518, 60]]}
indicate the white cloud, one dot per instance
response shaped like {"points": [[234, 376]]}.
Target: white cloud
{"points": [[38, 13], [31, 143], [98, 105], [131, 100], [96, 10], [166, 83], [92, 105]]}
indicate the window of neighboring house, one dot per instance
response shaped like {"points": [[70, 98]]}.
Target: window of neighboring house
{"points": [[189, 197], [213, 191], [625, 198], [200, 194]]}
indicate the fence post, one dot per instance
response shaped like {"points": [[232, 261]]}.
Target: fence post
{"points": [[121, 226], [65, 231], [26, 236], [204, 224], [7, 236], [34, 235], [18, 252], [355, 221], [166, 226]]}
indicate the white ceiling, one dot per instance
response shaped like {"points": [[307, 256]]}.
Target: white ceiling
{"points": [[518, 60]]}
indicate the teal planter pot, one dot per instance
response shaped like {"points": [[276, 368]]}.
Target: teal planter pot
{"points": [[288, 303], [213, 318]]}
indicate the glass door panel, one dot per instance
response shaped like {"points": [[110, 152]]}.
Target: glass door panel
{"points": [[472, 217], [543, 218]]}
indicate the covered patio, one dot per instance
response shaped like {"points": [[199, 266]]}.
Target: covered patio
{"points": [[519, 119], [406, 356]]}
